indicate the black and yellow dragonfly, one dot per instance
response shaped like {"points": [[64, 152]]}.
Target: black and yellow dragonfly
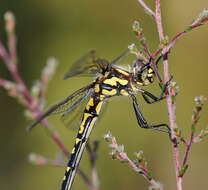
{"points": [[110, 81]]}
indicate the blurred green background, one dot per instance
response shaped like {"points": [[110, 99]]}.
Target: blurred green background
{"points": [[66, 30]]}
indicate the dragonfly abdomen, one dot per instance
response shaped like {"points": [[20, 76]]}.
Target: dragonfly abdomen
{"points": [[89, 118]]}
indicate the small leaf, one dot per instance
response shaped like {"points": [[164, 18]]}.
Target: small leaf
{"points": [[177, 132], [200, 100], [137, 28], [193, 128], [203, 15], [49, 69], [28, 114], [139, 155], [200, 20], [36, 88], [10, 22], [114, 157], [37, 159], [183, 170], [108, 137], [120, 148], [165, 41], [156, 186]]}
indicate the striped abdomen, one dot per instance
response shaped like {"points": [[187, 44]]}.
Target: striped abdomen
{"points": [[89, 118]]}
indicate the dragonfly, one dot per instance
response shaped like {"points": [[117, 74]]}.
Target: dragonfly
{"points": [[111, 80]]}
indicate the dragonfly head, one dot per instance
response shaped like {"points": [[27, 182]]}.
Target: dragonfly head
{"points": [[143, 74]]}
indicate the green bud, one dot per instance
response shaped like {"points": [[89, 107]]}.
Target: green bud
{"points": [[165, 41], [10, 22], [183, 170], [137, 28]]}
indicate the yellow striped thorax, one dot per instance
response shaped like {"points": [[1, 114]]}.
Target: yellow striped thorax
{"points": [[114, 83]]}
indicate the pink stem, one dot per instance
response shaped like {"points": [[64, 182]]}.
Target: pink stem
{"points": [[171, 106], [146, 8], [158, 19]]}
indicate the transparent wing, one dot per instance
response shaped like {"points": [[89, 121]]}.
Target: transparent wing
{"points": [[90, 65], [87, 65], [72, 103], [66, 105], [120, 57], [72, 119]]}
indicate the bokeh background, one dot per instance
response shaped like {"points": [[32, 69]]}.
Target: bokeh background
{"points": [[66, 29]]}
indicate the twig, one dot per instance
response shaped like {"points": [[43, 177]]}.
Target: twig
{"points": [[199, 21], [164, 50], [133, 50], [170, 104], [147, 9], [12, 39], [41, 160], [195, 118], [119, 154], [159, 20], [19, 90], [137, 29], [21, 87], [46, 75], [92, 150]]}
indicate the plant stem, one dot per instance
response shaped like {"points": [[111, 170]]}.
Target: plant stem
{"points": [[147, 9], [158, 20], [9, 58], [170, 105]]}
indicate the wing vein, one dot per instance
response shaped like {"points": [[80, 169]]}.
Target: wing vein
{"points": [[56, 106]]}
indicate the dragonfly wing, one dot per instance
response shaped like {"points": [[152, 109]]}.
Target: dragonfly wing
{"points": [[120, 57], [87, 65], [68, 103], [90, 65], [72, 103], [72, 117]]}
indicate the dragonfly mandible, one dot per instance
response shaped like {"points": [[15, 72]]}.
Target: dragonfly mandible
{"points": [[111, 81]]}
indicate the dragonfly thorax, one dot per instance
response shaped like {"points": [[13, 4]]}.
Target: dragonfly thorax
{"points": [[114, 82]]}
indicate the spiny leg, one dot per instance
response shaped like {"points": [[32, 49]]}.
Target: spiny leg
{"points": [[147, 95], [151, 98], [142, 121]]}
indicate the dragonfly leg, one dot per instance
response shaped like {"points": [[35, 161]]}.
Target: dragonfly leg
{"points": [[142, 121], [151, 98]]}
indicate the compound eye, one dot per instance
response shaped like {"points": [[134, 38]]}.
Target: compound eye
{"points": [[150, 72], [138, 65]]}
